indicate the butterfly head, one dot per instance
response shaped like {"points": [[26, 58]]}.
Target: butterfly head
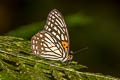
{"points": [[69, 58]]}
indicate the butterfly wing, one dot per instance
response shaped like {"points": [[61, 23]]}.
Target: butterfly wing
{"points": [[45, 45], [56, 25], [53, 42]]}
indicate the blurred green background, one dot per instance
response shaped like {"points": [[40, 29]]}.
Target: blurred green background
{"points": [[91, 23]]}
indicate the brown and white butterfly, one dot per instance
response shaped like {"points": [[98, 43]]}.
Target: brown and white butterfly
{"points": [[53, 41]]}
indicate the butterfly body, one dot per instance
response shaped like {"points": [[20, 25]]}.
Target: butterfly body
{"points": [[53, 41]]}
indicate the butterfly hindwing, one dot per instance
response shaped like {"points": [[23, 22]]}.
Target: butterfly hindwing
{"points": [[45, 45]]}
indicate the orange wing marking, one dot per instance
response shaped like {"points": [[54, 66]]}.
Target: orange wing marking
{"points": [[65, 45]]}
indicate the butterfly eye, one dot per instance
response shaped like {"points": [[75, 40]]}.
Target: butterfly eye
{"points": [[69, 58]]}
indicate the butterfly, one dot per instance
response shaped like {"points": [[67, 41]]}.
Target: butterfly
{"points": [[53, 41]]}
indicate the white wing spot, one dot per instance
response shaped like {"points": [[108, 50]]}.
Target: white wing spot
{"points": [[62, 37], [52, 20], [56, 12], [35, 52], [53, 33], [59, 31], [42, 52], [41, 43], [56, 23], [65, 37], [42, 48], [46, 27], [53, 17], [34, 37], [49, 23], [36, 42], [49, 29], [41, 35], [53, 13], [49, 18], [38, 38], [58, 37], [50, 15], [33, 46], [42, 40], [44, 45], [59, 15], [55, 28], [33, 41], [58, 46], [36, 47]]}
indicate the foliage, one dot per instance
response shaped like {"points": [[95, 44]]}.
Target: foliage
{"points": [[27, 31], [18, 63]]}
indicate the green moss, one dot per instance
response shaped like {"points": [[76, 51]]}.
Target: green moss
{"points": [[18, 63]]}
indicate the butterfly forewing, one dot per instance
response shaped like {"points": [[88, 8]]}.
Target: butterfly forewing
{"points": [[56, 25]]}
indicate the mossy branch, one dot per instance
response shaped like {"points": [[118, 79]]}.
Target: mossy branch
{"points": [[18, 63]]}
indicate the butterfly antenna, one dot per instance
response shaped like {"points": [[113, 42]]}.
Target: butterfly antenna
{"points": [[80, 50]]}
